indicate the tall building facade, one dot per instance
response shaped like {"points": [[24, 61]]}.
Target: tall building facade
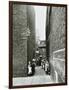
{"points": [[31, 38], [55, 41], [21, 36]]}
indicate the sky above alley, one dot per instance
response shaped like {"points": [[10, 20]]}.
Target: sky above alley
{"points": [[40, 21]]}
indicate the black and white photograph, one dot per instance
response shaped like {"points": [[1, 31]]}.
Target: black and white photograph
{"points": [[37, 44]]}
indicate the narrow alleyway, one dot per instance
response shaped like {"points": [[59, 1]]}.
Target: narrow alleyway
{"points": [[39, 71], [39, 78]]}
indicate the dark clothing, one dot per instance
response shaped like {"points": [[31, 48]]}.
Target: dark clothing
{"points": [[39, 62], [33, 69]]}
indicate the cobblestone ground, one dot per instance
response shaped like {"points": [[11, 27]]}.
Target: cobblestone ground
{"points": [[39, 78]]}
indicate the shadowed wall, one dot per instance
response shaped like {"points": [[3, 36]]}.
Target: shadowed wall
{"points": [[55, 41], [23, 39]]}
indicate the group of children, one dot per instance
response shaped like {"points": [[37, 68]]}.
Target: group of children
{"points": [[42, 62]]}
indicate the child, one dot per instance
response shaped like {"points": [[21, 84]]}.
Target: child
{"points": [[29, 68]]}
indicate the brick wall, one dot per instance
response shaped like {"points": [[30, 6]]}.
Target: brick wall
{"points": [[19, 40], [55, 40], [23, 38], [31, 38], [57, 28]]}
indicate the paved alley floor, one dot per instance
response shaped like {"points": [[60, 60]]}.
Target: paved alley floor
{"points": [[39, 78]]}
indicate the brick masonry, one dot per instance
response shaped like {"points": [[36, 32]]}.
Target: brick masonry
{"points": [[19, 40], [23, 38], [55, 40]]}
